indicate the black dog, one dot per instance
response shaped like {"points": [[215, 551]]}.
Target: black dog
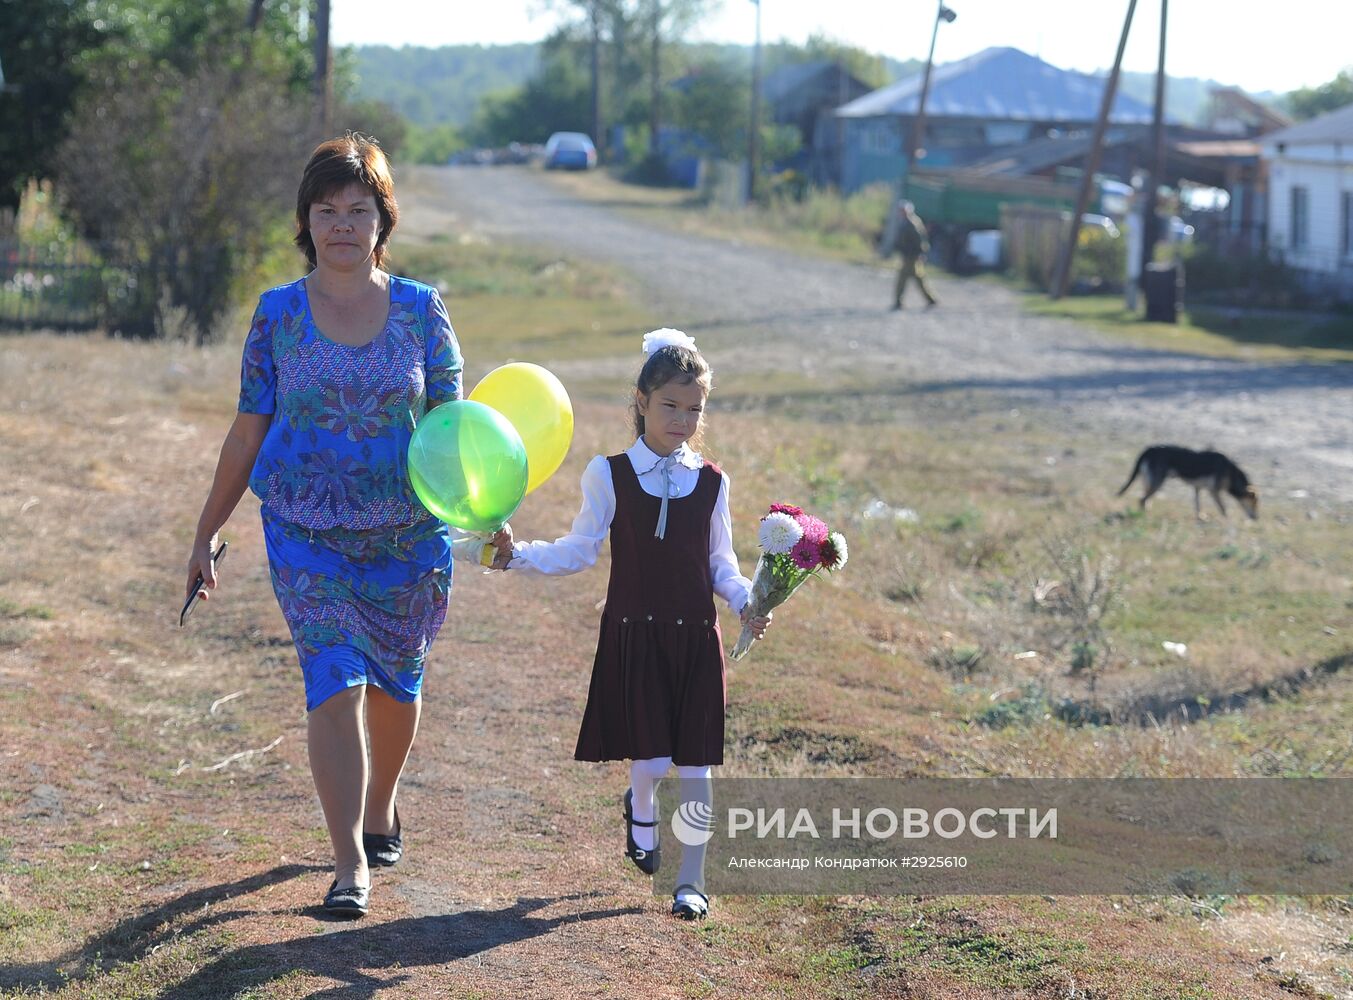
{"points": [[1203, 470]]}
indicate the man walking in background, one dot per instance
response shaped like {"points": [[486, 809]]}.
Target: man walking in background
{"points": [[911, 242]]}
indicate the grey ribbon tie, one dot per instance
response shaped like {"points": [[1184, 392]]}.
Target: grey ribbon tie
{"points": [[668, 464]]}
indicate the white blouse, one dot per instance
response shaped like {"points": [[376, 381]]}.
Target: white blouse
{"points": [[579, 548]]}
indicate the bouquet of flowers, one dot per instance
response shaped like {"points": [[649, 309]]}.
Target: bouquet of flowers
{"points": [[794, 547]]}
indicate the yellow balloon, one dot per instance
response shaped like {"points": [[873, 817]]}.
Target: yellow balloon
{"points": [[535, 403]]}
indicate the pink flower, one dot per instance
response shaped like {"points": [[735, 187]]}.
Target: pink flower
{"points": [[814, 529], [807, 554], [833, 552], [786, 508]]}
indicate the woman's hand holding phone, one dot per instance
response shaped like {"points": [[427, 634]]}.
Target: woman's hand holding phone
{"points": [[201, 575]]}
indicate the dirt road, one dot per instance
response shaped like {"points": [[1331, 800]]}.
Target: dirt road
{"points": [[1287, 423]]}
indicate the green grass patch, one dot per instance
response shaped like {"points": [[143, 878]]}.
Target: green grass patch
{"points": [[14, 611], [1031, 706], [508, 301], [872, 947]]}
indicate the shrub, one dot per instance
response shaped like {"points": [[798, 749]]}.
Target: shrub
{"points": [[183, 173], [1240, 279]]}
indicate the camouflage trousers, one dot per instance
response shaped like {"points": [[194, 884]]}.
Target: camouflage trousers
{"points": [[912, 269]]}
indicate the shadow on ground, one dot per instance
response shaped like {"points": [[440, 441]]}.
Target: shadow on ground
{"points": [[135, 937], [356, 954], [369, 958]]}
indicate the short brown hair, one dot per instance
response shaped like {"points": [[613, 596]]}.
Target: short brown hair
{"points": [[340, 163]]}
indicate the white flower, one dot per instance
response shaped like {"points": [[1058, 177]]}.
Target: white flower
{"points": [[837, 541], [778, 533], [666, 337]]}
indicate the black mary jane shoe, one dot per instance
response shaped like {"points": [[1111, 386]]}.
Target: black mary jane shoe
{"points": [[688, 909], [646, 861], [350, 902], [384, 850]]}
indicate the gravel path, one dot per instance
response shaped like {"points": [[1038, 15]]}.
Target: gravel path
{"points": [[1289, 424]]}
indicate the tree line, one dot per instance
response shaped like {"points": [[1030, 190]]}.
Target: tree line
{"points": [[172, 132]]}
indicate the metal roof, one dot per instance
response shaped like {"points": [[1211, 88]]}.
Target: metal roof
{"points": [[787, 78], [1001, 83], [783, 82], [1333, 126]]}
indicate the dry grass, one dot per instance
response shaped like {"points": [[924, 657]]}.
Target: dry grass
{"points": [[130, 866]]}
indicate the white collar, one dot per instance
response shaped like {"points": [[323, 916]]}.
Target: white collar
{"points": [[645, 459]]}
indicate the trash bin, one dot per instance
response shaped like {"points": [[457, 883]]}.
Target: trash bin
{"points": [[1163, 287]]}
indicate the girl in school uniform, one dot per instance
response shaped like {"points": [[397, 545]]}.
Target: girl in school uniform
{"points": [[658, 684]]}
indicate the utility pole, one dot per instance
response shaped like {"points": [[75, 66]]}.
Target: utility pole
{"points": [[1150, 223], [594, 14], [323, 81], [918, 123], [655, 78], [1062, 278], [754, 125]]}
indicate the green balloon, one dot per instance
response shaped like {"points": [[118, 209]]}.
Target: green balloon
{"points": [[467, 464]]}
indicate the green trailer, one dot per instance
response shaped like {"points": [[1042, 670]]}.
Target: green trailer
{"points": [[954, 203], [973, 201]]}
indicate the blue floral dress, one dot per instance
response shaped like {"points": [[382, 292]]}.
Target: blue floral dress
{"points": [[361, 570]]}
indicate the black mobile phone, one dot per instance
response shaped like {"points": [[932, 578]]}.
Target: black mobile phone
{"points": [[193, 598]]}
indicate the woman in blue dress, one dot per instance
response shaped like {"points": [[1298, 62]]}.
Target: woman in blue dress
{"points": [[338, 367]]}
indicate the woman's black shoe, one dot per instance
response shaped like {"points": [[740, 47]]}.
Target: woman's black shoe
{"points": [[690, 909], [384, 850], [349, 902], [646, 861]]}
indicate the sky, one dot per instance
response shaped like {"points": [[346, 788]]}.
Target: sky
{"points": [[1248, 43]]}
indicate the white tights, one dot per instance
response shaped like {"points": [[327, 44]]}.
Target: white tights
{"points": [[696, 786]]}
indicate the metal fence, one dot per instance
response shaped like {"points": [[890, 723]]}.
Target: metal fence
{"points": [[64, 285], [1326, 275], [50, 285]]}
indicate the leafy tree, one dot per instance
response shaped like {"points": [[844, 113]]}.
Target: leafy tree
{"points": [[376, 119], [441, 86], [558, 98], [596, 16], [43, 45], [182, 152], [1308, 102], [715, 106], [868, 68], [664, 22], [625, 65], [432, 144]]}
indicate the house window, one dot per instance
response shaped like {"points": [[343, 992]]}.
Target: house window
{"points": [[1300, 224], [1006, 133], [880, 137], [1346, 224]]}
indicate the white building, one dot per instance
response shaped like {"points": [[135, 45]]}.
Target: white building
{"points": [[1310, 206]]}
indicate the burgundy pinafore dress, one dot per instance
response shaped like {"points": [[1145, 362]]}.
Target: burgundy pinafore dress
{"points": [[658, 685]]}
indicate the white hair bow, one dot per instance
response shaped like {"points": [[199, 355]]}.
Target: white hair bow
{"points": [[666, 337]]}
